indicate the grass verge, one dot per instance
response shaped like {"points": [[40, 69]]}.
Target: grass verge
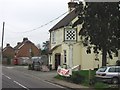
{"points": [[83, 77]]}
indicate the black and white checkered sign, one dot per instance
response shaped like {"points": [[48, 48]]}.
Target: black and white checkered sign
{"points": [[70, 35]]}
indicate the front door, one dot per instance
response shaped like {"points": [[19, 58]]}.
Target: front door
{"points": [[57, 60]]}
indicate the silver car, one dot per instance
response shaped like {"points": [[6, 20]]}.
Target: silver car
{"points": [[110, 74]]}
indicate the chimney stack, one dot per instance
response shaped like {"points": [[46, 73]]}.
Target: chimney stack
{"points": [[18, 43], [25, 39], [7, 45], [72, 5]]}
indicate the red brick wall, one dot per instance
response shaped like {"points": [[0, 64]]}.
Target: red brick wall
{"points": [[24, 51], [9, 52]]}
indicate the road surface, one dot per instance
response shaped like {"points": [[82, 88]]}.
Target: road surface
{"points": [[12, 78]]}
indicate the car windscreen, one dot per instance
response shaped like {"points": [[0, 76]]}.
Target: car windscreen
{"points": [[102, 69]]}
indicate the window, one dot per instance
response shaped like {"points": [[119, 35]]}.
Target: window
{"points": [[103, 69], [65, 58], [114, 70], [117, 69], [111, 70], [53, 37]]}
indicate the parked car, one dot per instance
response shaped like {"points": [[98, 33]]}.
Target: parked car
{"points": [[109, 74], [35, 63]]}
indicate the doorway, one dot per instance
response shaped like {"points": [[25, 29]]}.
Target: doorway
{"points": [[57, 60]]}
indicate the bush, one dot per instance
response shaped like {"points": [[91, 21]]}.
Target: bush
{"points": [[77, 77]]}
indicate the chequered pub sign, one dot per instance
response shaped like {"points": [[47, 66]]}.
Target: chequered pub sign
{"points": [[70, 34]]}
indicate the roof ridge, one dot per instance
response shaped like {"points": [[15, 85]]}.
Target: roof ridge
{"points": [[65, 21]]}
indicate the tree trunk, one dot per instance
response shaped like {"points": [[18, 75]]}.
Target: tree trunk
{"points": [[104, 56]]}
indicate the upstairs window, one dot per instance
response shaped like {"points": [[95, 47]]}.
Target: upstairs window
{"points": [[53, 37]]}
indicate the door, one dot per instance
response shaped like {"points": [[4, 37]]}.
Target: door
{"points": [[57, 60]]}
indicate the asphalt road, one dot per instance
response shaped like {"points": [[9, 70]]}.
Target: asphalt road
{"points": [[12, 78]]}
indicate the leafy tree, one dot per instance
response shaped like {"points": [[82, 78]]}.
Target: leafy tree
{"points": [[45, 49], [100, 29]]}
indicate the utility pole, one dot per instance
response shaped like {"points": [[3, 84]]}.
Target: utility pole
{"points": [[2, 42], [1, 56]]}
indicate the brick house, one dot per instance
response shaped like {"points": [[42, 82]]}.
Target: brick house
{"points": [[26, 49], [8, 54], [21, 52]]}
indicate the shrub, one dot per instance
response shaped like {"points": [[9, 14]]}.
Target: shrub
{"points": [[77, 77]]}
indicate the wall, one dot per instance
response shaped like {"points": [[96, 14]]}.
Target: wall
{"points": [[24, 51], [57, 50], [9, 52], [58, 37]]}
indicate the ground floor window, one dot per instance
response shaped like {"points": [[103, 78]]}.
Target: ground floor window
{"points": [[65, 56]]}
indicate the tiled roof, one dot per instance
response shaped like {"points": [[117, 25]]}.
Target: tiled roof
{"points": [[7, 48], [18, 46], [65, 21]]}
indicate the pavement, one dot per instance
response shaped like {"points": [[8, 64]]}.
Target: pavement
{"points": [[49, 76]]}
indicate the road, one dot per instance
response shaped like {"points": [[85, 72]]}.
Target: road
{"points": [[12, 78]]}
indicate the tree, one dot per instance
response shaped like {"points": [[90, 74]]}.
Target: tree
{"points": [[100, 29], [45, 49]]}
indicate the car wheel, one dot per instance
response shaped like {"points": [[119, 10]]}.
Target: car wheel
{"points": [[115, 81]]}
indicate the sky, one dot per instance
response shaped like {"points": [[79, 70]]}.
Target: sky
{"points": [[24, 18]]}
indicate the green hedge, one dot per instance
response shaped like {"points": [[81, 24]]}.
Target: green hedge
{"points": [[82, 77], [77, 77]]}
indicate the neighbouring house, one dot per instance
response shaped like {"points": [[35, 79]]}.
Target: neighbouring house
{"points": [[8, 54], [63, 49], [25, 50]]}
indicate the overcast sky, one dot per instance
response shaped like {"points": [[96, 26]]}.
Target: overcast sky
{"points": [[25, 15]]}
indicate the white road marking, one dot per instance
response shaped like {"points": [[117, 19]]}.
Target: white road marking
{"points": [[25, 66], [20, 85], [15, 82], [45, 81], [40, 79], [10, 67], [6, 76]]}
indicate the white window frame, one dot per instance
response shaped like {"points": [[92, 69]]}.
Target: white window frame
{"points": [[53, 37], [65, 56]]}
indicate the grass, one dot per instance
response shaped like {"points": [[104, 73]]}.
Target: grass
{"points": [[82, 77], [101, 86]]}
